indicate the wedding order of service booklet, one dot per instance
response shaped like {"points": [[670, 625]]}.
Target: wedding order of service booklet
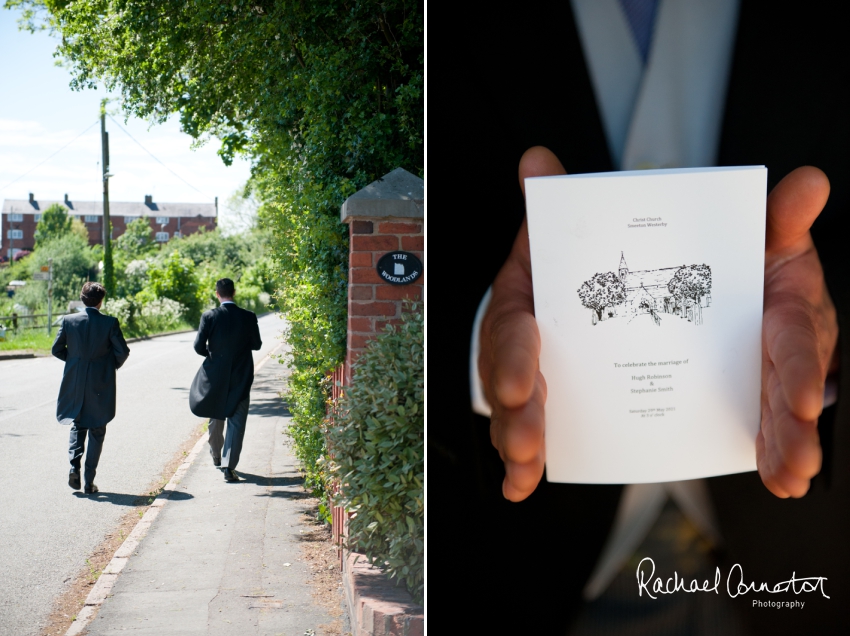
{"points": [[648, 293]]}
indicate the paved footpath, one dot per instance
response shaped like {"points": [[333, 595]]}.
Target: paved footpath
{"points": [[225, 559]]}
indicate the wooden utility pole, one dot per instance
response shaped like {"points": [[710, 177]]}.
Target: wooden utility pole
{"points": [[108, 273], [49, 297]]}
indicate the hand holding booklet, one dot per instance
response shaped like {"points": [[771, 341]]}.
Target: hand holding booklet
{"points": [[648, 293]]}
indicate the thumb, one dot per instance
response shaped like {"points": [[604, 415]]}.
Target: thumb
{"points": [[538, 162], [792, 207]]}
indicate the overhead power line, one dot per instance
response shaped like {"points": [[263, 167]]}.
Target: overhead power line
{"points": [[157, 159], [51, 156]]}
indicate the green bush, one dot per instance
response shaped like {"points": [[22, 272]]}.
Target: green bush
{"points": [[377, 441], [73, 265], [174, 278], [142, 316], [54, 223]]}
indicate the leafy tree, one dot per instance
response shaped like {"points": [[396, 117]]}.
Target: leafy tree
{"points": [[176, 279], [135, 242], [73, 265], [79, 228], [54, 223], [691, 281], [601, 291]]}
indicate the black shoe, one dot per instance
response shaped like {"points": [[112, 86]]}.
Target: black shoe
{"points": [[91, 489], [74, 479], [229, 476], [216, 460]]}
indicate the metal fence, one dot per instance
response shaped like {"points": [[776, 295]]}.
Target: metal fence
{"points": [[17, 322]]}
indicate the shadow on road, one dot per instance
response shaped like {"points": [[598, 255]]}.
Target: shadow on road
{"points": [[122, 499], [276, 482], [271, 481]]}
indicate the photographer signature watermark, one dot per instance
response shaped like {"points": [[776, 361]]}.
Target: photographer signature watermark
{"points": [[736, 585]]}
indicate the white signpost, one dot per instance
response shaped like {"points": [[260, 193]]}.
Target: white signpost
{"points": [[46, 273]]}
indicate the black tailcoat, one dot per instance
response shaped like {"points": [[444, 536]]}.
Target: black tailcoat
{"points": [[92, 347], [226, 337], [511, 78]]}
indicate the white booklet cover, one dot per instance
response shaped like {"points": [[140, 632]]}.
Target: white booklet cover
{"points": [[648, 292]]}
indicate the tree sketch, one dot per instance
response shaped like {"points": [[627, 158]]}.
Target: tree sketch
{"points": [[679, 291], [689, 285], [601, 292]]}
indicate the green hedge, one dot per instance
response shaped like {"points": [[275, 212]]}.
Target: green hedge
{"points": [[377, 441]]}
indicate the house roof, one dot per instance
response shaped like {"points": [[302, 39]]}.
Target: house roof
{"points": [[116, 208], [650, 278]]}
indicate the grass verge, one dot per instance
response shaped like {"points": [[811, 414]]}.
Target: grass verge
{"points": [[37, 340]]}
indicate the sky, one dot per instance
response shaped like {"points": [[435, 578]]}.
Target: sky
{"points": [[40, 114]]}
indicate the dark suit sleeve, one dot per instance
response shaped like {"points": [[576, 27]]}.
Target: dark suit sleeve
{"points": [[60, 345], [203, 336], [256, 341], [119, 345]]}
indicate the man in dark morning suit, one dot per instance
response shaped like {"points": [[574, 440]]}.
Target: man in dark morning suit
{"points": [[518, 80], [92, 347], [222, 387]]}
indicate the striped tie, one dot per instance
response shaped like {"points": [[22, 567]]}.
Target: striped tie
{"points": [[641, 17]]}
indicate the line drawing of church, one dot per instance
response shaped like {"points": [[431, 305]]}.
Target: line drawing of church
{"points": [[682, 291]]}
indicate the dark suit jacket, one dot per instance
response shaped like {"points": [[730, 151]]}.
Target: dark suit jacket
{"points": [[226, 337], [92, 347], [517, 78]]}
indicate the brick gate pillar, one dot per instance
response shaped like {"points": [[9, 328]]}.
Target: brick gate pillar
{"points": [[386, 216]]}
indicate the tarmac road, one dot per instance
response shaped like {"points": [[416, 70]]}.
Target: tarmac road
{"points": [[48, 530]]}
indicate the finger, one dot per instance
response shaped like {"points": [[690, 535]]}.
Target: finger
{"points": [[521, 479], [792, 207], [538, 162], [518, 435], [775, 473], [766, 474], [515, 348], [523, 428], [793, 345], [793, 446]]}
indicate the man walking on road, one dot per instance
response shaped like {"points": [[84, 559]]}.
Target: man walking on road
{"points": [[222, 386], [92, 347]]}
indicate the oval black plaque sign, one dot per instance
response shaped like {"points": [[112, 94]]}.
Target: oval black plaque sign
{"points": [[399, 268]]}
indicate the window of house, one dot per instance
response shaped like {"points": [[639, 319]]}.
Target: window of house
{"points": [[37, 217], [130, 219], [162, 237], [91, 218], [162, 220], [16, 217], [178, 235], [15, 234]]}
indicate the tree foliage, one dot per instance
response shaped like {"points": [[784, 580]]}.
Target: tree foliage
{"points": [[691, 281], [73, 265], [325, 96], [174, 278], [603, 290], [135, 243], [54, 222]]}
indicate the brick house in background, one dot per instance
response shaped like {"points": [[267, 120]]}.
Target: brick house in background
{"points": [[19, 218]]}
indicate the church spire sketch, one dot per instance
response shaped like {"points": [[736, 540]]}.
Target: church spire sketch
{"points": [[683, 292]]}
